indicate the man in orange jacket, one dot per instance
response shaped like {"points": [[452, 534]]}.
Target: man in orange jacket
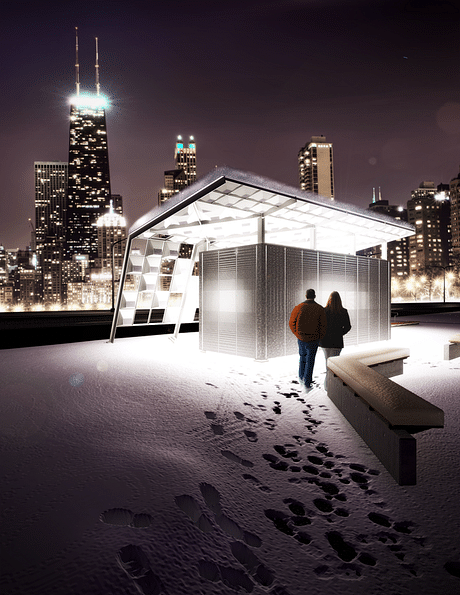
{"points": [[308, 323]]}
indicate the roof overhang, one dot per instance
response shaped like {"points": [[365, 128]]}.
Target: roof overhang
{"points": [[226, 206]]}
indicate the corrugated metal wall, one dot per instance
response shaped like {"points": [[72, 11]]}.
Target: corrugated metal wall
{"points": [[228, 306], [248, 293]]}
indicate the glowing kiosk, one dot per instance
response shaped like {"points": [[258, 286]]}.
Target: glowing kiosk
{"points": [[237, 251]]}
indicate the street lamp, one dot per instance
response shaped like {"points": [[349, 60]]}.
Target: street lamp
{"points": [[444, 268], [411, 285]]}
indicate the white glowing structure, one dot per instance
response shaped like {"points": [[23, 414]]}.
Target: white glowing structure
{"points": [[247, 295], [89, 101], [234, 246]]}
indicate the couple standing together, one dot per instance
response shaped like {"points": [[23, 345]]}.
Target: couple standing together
{"points": [[315, 326]]}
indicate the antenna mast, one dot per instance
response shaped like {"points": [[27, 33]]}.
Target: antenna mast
{"points": [[97, 68], [77, 65]]}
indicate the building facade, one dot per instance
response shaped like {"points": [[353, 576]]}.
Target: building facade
{"points": [[19, 280], [6, 287], [51, 179], [111, 243], [3, 265], [397, 251], [175, 181], [88, 194], [454, 192], [429, 211], [184, 174], [316, 167]]}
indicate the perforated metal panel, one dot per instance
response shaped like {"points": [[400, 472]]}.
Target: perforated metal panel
{"points": [[228, 301], [247, 295]]}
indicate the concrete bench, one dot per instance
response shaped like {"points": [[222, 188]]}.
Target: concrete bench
{"points": [[452, 349], [383, 413]]}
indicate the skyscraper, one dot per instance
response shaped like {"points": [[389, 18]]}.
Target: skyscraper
{"points": [[316, 167], [111, 233], [50, 224], [185, 158], [397, 251], [184, 173], [429, 211], [88, 195], [454, 191]]}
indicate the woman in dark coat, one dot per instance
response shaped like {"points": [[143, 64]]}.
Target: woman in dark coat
{"points": [[338, 325]]}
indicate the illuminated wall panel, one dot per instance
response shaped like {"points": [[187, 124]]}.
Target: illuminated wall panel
{"points": [[247, 295], [228, 295], [159, 283]]}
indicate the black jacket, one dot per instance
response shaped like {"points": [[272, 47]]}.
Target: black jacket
{"points": [[338, 324]]}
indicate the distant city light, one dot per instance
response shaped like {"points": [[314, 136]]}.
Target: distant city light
{"points": [[90, 101], [440, 196]]}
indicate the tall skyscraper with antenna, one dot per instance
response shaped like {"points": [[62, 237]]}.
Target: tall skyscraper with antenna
{"points": [[88, 193]]}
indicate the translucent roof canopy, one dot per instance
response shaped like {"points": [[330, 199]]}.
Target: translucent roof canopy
{"points": [[226, 208]]}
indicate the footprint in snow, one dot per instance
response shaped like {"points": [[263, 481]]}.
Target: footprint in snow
{"points": [[235, 578], [212, 499], [256, 483], [217, 429], [253, 572], [236, 459], [251, 436], [123, 517], [453, 567], [136, 565], [192, 509]]}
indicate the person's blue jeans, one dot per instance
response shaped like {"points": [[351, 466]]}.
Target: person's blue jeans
{"points": [[307, 353]]}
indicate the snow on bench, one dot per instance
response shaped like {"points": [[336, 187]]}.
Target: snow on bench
{"points": [[383, 413], [452, 349]]}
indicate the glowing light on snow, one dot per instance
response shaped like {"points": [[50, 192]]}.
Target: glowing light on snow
{"points": [[102, 366]]}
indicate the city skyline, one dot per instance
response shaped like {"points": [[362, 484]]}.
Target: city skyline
{"points": [[252, 82]]}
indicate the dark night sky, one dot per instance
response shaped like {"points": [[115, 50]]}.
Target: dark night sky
{"points": [[251, 80]]}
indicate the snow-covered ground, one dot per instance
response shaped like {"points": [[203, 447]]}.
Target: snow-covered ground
{"points": [[146, 465]]}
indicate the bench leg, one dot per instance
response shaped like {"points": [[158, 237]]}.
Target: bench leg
{"points": [[451, 351], [396, 449]]}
